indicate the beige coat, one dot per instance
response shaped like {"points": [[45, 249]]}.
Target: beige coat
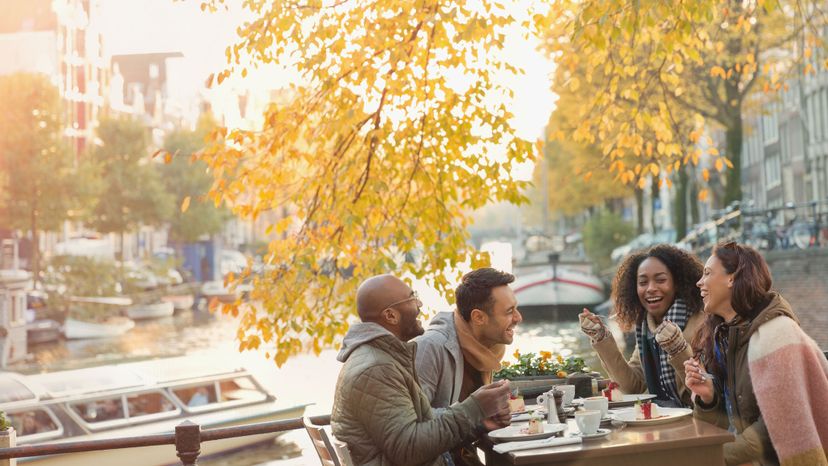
{"points": [[630, 374]]}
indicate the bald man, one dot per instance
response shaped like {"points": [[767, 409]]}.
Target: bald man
{"points": [[379, 409]]}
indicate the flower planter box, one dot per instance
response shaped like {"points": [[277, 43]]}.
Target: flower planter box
{"points": [[8, 439], [532, 386]]}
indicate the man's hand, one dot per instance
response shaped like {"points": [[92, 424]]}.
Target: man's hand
{"points": [[493, 398], [498, 421]]}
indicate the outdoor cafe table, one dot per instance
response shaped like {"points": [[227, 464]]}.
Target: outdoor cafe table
{"points": [[687, 441]]}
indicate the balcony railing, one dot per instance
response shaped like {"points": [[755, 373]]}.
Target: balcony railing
{"points": [[187, 440]]}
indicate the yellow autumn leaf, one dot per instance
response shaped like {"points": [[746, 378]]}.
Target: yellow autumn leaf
{"points": [[185, 204], [719, 165], [706, 174], [703, 193]]}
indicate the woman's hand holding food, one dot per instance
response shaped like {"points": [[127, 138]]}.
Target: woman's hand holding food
{"points": [[698, 380], [592, 326]]}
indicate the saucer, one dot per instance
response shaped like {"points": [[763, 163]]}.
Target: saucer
{"points": [[601, 433]]}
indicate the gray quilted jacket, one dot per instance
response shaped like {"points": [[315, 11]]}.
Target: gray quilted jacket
{"points": [[380, 411]]}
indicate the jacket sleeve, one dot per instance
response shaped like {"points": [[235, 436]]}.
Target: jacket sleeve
{"points": [[628, 374], [388, 415], [749, 445], [429, 364], [713, 413], [677, 361]]}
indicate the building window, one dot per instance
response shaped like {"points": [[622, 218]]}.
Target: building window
{"points": [[770, 125], [772, 171], [824, 94], [818, 116]]}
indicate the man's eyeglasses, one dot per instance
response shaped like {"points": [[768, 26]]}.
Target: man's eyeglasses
{"points": [[414, 296]]}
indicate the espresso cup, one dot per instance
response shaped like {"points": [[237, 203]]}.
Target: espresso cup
{"points": [[568, 393], [588, 421], [599, 403]]}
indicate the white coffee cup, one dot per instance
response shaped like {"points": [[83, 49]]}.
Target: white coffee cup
{"points": [[568, 393], [599, 403], [588, 421]]}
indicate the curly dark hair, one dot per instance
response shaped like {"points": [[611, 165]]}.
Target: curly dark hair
{"points": [[475, 290], [685, 268]]}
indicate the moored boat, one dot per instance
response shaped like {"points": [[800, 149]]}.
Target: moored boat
{"points": [[560, 293], [42, 331], [150, 311], [136, 399], [74, 329], [180, 302]]}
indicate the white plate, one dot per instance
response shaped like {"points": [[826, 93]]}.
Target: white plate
{"points": [[524, 417], [514, 433], [630, 400], [665, 415], [600, 434]]}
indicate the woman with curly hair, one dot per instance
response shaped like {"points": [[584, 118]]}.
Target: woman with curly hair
{"points": [[654, 292]]}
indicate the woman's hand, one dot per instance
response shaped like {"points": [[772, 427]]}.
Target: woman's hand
{"points": [[669, 337], [698, 380], [592, 326]]}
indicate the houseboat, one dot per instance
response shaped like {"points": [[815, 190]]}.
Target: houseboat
{"points": [[135, 399], [559, 293]]}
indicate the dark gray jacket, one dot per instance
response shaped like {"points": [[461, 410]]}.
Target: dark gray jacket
{"points": [[381, 412], [440, 361]]}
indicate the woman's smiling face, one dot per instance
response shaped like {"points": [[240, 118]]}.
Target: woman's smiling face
{"points": [[656, 289], [715, 286]]}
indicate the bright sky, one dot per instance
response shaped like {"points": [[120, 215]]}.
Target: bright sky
{"points": [[148, 26]]}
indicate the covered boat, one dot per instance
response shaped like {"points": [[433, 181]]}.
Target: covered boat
{"points": [[137, 399], [557, 293]]}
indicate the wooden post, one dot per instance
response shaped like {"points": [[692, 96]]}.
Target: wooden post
{"points": [[8, 439], [187, 443]]}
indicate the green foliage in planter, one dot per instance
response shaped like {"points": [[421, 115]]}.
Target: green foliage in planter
{"points": [[4, 423], [543, 363]]}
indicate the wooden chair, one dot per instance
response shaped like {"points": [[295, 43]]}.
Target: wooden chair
{"points": [[342, 452], [324, 448]]}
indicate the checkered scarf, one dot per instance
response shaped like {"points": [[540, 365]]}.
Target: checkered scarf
{"points": [[667, 375]]}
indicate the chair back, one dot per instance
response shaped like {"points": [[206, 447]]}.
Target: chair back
{"points": [[342, 452], [322, 444]]}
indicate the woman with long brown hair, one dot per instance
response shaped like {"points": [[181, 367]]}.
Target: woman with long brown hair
{"points": [[655, 293], [756, 372]]}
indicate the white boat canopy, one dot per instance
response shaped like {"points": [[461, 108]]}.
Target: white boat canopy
{"points": [[12, 390], [89, 380]]}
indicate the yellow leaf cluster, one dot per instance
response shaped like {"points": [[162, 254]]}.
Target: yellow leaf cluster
{"points": [[379, 158]]}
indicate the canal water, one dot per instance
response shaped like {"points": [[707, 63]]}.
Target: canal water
{"points": [[305, 378]]}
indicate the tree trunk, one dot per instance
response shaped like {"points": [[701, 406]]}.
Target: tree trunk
{"points": [[655, 200], [639, 205], [35, 265], [733, 142], [681, 203], [695, 216]]}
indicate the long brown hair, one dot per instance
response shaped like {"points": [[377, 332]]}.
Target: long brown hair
{"points": [[750, 294], [683, 266]]}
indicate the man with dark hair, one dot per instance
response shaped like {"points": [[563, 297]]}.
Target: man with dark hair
{"points": [[379, 409], [461, 349]]}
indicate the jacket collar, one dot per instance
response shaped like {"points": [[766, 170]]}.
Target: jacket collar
{"points": [[362, 333]]}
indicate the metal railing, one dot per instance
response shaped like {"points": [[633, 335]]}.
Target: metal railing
{"points": [[187, 439], [792, 226]]}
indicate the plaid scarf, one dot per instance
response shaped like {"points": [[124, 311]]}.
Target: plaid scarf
{"points": [[666, 374]]}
